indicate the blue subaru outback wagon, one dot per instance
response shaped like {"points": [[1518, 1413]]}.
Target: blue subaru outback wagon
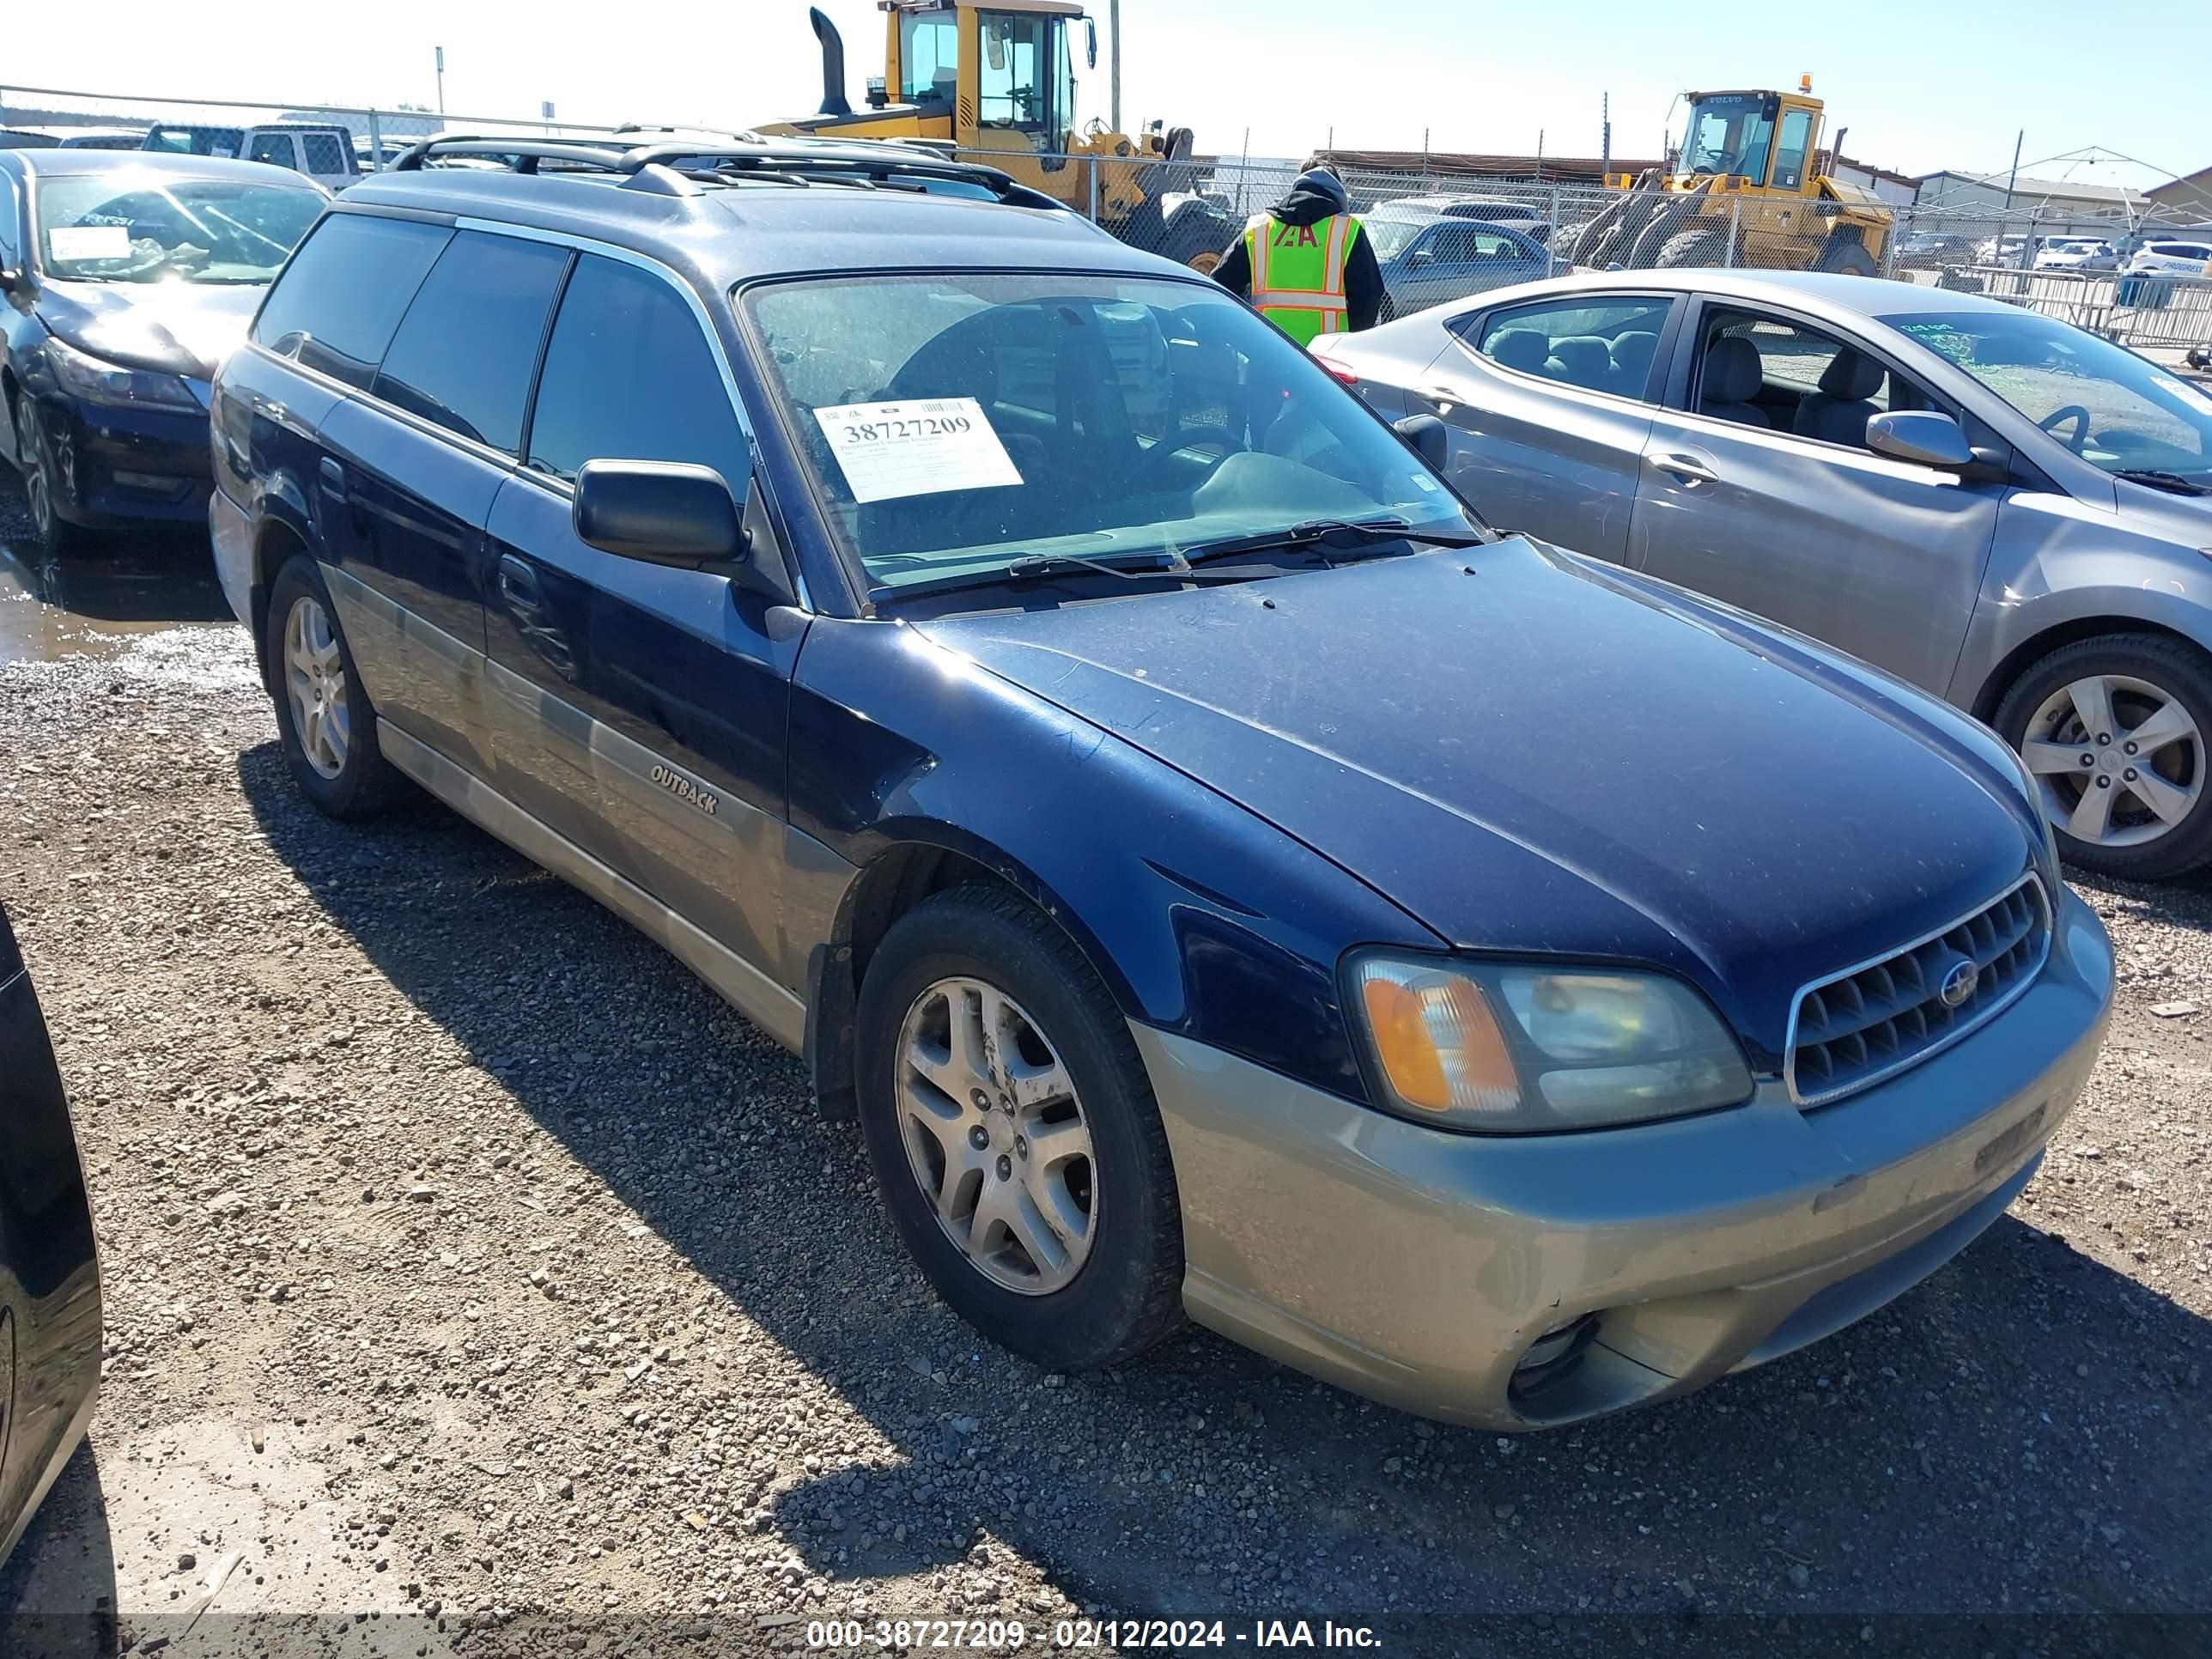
{"points": [[1224, 878]]}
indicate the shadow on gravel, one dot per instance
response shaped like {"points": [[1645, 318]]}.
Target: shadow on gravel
{"points": [[58, 1590], [2021, 1437]]}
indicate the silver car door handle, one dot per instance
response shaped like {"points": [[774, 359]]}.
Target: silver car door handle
{"points": [[1687, 468]]}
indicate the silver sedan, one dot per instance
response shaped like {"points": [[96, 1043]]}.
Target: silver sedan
{"points": [[1995, 505]]}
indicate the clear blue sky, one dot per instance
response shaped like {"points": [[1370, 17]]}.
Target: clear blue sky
{"points": [[1922, 84]]}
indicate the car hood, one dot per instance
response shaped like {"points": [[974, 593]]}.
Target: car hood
{"points": [[174, 328], [1529, 752]]}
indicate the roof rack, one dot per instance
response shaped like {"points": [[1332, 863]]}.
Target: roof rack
{"points": [[663, 164]]}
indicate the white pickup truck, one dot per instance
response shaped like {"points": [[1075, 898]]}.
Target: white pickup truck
{"points": [[324, 152]]}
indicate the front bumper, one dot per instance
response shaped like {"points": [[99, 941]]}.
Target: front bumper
{"points": [[1420, 1268], [116, 467]]}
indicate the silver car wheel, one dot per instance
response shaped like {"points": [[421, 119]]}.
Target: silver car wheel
{"points": [[995, 1134], [315, 681], [2120, 760]]}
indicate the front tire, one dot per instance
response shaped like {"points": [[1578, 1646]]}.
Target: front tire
{"points": [[2115, 730], [1013, 1134], [325, 722], [55, 536], [1847, 256], [1687, 248]]}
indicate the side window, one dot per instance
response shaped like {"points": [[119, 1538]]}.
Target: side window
{"points": [[336, 304], [1769, 372], [1451, 245], [323, 153], [1790, 149], [628, 376], [10, 209], [1601, 345], [464, 354], [274, 147]]}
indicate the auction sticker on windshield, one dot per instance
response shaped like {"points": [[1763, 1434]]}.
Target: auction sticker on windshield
{"points": [[923, 448], [89, 242]]}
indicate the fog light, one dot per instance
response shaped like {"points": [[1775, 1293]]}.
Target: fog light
{"points": [[1553, 1354]]}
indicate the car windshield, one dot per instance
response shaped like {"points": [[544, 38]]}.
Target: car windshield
{"points": [[195, 140], [1390, 237], [2115, 409], [954, 424], [139, 226]]}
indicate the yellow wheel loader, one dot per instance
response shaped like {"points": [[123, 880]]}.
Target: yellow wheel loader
{"points": [[1749, 165], [995, 80]]}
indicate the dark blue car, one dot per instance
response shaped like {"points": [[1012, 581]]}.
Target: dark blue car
{"points": [[1223, 878], [125, 279]]}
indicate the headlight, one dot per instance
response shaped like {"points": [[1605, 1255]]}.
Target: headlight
{"points": [[97, 381], [1514, 1049]]}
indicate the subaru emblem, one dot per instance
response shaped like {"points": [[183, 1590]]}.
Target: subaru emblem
{"points": [[1959, 984]]}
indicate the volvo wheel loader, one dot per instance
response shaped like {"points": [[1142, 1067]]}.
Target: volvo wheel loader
{"points": [[1749, 165], [995, 80]]}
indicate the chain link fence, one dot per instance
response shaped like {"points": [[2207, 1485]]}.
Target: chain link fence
{"points": [[1439, 236]]}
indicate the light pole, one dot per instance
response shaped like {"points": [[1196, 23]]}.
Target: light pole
{"points": [[441, 51]]}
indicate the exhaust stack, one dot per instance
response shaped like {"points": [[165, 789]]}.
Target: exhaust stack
{"points": [[833, 63]]}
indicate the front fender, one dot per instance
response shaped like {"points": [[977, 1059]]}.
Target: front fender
{"points": [[2057, 563], [1199, 918]]}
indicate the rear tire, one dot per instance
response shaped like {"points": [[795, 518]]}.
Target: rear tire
{"points": [[1847, 256], [1115, 1287], [2143, 676], [325, 721]]}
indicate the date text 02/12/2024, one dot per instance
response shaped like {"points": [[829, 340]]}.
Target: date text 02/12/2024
{"points": [[1011, 1636]]}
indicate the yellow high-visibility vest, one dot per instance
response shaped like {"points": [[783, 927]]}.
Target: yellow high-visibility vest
{"points": [[1297, 272]]}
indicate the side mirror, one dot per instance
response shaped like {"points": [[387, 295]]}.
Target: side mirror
{"points": [[1091, 42], [662, 512], [1428, 437], [1922, 435], [10, 277], [1422, 256]]}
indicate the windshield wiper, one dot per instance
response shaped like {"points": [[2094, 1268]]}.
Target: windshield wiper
{"points": [[1330, 532], [1054, 567], [2172, 483]]}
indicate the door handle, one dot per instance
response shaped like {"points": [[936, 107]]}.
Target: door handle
{"points": [[517, 586], [332, 479], [1688, 468], [1441, 397]]}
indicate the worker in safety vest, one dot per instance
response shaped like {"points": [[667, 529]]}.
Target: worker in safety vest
{"points": [[1306, 263]]}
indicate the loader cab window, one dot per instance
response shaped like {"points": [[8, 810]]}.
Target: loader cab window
{"points": [[929, 56], [1024, 82], [1789, 150], [1729, 133]]}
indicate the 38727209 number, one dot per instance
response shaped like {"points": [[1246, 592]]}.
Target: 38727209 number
{"points": [[911, 1635], [898, 431]]}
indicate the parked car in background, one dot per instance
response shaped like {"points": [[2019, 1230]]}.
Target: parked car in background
{"points": [[2084, 254], [71, 138], [1428, 257], [1024, 683], [2170, 256], [368, 158], [50, 1329], [323, 153], [1527, 217], [127, 279], [1992, 505]]}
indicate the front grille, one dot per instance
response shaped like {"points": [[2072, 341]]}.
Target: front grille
{"points": [[1873, 1021]]}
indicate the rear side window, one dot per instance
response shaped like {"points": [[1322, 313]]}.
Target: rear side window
{"points": [[628, 376], [1601, 345], [274, 147], [323, 153], [336, 303], [464, 356]]}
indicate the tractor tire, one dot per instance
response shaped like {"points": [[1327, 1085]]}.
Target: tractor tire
{"points": [[1692, 247], [1845, 254]]}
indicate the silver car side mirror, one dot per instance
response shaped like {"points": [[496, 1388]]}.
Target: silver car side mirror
{"points": [[1921, 435]]}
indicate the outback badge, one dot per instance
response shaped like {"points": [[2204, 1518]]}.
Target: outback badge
{"points": [[684, 790]]}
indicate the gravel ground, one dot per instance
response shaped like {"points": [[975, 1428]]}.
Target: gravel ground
{"points": [[487, 1286]]}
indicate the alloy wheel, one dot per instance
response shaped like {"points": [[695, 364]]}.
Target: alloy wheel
{"points": [[315, 681], [2120, 761], [38, 489], [995, 1135]]}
